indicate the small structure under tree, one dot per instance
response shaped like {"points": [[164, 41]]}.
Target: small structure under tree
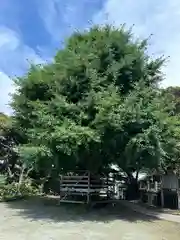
{"points": [[85, 187], [161, 190]]}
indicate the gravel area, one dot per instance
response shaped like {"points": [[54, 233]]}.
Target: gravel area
{"points": [[42, 219]]}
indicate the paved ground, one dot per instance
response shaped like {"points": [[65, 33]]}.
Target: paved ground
{"points": [[27, 220], [160, 214]]}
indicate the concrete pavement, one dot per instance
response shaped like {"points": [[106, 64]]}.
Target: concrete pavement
{"points": [[164, 216]]}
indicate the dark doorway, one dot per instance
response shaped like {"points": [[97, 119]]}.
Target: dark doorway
{"points": [[170, 199]]}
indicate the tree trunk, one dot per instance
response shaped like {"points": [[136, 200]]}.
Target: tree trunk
{"points": [[21, 178], [132, 192]]}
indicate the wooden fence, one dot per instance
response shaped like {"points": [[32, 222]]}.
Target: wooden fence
{"points": [[85, 188]]}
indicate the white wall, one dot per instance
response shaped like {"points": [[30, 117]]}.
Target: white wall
{"points": [[170, 181]]}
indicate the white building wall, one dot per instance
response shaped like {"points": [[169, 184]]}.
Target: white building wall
{"points": [[170, 181]]}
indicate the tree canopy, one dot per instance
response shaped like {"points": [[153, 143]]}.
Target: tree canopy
{"points": [[97, 103]]}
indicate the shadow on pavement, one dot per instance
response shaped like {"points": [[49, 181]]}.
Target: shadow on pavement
{"points": [[45, 208]]}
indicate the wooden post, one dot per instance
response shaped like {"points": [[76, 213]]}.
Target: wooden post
{"points": [[114, 187], [162, 198], [162, 192], [88, 193], [178, 195], [148, 185], [107, 182], [60, 182], [156, 186]]}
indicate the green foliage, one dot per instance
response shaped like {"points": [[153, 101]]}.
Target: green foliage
{"points": [[11, 191], [9, 138], [138, 127], [5, 124], [173, 93], [97, 103]]}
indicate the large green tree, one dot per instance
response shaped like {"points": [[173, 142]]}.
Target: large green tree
{"points": [[98, 103]]}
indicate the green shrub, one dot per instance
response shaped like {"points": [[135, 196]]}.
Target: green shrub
{"points": [[12, 191]]}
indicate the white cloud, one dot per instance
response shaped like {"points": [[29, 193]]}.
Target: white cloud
{"points": [[6, 88], [160, 18], [8, 39], [14, 57], [14, 54], [53, 15], [61, 18]]}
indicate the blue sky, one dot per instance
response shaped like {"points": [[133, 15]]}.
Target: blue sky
{"points": [[35, 29]]}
